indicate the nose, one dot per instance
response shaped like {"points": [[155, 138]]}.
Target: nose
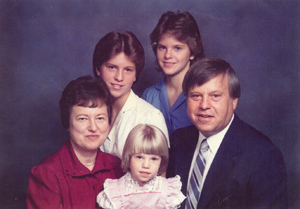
{"points": [[119, 75], [168, 54], [146, 163], [92, 126], [204, 103]]}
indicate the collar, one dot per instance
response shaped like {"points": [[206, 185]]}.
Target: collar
{"points": [[72, 166], [160, 84], [130, 102], [215, 141], [154, 185]]}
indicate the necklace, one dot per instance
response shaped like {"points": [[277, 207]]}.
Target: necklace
{"points": [[89, 164]]}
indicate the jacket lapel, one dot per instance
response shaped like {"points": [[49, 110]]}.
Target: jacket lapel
{"points": [[222, 165]]}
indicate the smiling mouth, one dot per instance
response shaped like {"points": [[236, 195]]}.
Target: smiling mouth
{"points": [[92, 136], [116, 86], [168, 63], [205, 117]]}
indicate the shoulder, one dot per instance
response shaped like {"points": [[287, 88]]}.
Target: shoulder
{"points": [[153, 91], [109, 158], [113, 184], [150, 92], [174, 182], [50, 163], [189, 132], [242, 130], [136, 105], [174, 194], [183, 142], [263, 159], [48, 171], [114, 187], [144, 107], [110, 162], [243, 136], [110, 197]]}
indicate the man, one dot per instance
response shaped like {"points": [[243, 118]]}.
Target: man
{"points": [[223, 162]]}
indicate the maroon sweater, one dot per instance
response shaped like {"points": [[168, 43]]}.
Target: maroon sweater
{"points": [[61, 181]]}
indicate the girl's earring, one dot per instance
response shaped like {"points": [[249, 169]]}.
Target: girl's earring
{"points": [[192, 58]]}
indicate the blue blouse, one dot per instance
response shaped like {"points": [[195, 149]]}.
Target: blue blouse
{"points": [[176, 116]]}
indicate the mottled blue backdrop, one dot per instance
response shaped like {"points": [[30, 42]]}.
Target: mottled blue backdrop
{"points": [[45, 44]]}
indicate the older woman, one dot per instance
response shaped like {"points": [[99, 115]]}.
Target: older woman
{"points": [[74, 175], [119, 59]]}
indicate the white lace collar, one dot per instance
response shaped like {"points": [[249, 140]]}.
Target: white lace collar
{"points": [[154, 185]]}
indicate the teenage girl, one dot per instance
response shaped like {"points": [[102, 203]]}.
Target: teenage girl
{"points": [[119, 59], [177, 44]]}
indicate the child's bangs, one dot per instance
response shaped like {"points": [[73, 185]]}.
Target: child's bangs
{"points": [[148, 146]]}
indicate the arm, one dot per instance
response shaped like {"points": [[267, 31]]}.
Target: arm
{"points": [[175, 196], [103, 201], [43, 190]]}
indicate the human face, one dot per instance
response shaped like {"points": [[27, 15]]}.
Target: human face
{"points": [[173, 56], [89, 128], [118, 73], [144, 167], [210, 107]]}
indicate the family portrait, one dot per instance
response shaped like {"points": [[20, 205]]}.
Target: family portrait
{"points": [[150, 104]]}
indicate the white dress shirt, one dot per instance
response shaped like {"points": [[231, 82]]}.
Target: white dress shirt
{"points": [[135, 111], [214, 143]]}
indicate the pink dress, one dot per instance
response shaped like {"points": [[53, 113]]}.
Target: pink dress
{"points": [[125, 193]]}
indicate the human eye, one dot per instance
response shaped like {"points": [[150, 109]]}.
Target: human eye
{"points": [[100, 118], [154, 159], [138, 157], [216, 97], [111, 67], [81, 118], [129, 70], [195, 97], [177, 48], [161, 47]]}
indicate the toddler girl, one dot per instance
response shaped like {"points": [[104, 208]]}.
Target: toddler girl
{"points": [[145, 158]]}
